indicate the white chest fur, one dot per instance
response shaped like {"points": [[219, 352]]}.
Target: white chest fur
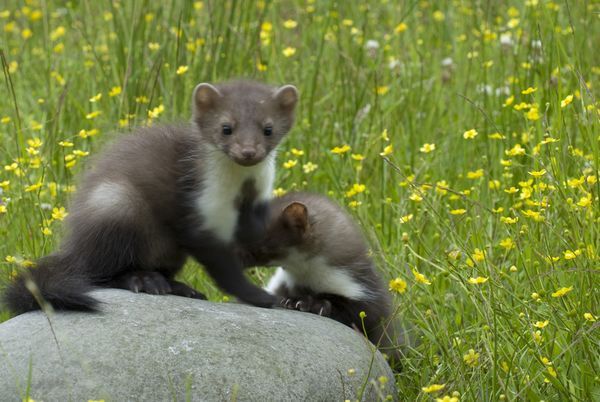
{"points": [[314, 273], [221, 187]]}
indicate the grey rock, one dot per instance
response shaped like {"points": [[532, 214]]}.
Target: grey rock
{"points": [[160, 348]]}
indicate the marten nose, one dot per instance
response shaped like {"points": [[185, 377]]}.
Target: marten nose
{"points": [[248, 153]]}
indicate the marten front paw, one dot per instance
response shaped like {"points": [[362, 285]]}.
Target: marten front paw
{"points": [[181, 289], [308, 304], [143, 281]]}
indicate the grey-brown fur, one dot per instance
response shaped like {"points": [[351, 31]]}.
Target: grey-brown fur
{"points": [[313, 226], [136, 218]]}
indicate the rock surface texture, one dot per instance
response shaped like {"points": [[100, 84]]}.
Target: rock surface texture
{"points": [[158, 348]]}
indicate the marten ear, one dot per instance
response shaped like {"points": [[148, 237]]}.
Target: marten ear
{"points": [[295, 215], [286, 97], [205, 97]]}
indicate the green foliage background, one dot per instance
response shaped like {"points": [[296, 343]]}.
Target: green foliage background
{"points": [[514, 208]]}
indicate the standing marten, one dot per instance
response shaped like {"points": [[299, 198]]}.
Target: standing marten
{"points": [[162, 194]]}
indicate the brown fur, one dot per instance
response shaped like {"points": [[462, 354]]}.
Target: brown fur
{"points": [[313, 225], [140, 239]]}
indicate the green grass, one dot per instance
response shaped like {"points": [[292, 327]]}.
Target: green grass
{"points": [[412, 204]]}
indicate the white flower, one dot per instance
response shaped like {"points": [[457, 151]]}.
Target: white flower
{"points": [[393, 64], [448, 62], [372, 45], [503, 91], [506, 40], [487, 89]]}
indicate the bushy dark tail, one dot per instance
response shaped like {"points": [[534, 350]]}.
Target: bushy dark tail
{"points": [[49, 282]]}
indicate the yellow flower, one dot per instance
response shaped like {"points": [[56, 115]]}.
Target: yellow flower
{"points": [[562, 291], [576, 182], [426, 148], [59, 213], [509, 101], [155, 112], [516, 150], [496, 136], [570, 255], [438, 16], [533, 114], [96, 97], [181, 70], [356, 189], [477, 281], [297, 152], [5, 120], [585, 201], [290, 24], [565, 102], [471, 358], [415, 197], [535, 215], [541, 324], [33, 187], [354, 204], [401, 27], [382, 90], [398, 285], [57, 33], [528, 91], [387, 150], [114, 91], [420, 278], [34, 142], [289, 51], [357, 157], [447, 398], [46, 231], [511, 190], [341, 150], [470, 134], [478, 255], [93, 115], [3, 209], [475, 175], [459, 211], [26, 33], [153, 46], [290, 163], [538, 173], [406, 218], [588, 316], [66, 144], [278, 192], [433, 388], [261, 66], [507, 243], [309, 167]]}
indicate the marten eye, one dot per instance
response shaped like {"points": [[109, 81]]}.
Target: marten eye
{"points": [[227, 129], [268, 130]]}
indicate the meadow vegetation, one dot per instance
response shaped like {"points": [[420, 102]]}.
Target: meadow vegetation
{"points": [[463, 136]]}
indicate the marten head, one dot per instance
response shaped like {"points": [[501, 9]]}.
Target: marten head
{"points": [[288, 228], [245, 120]]}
